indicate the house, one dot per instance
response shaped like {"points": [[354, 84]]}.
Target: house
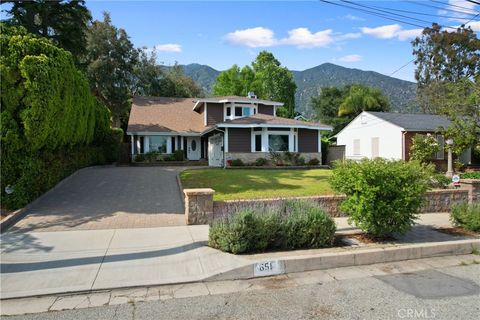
{"points": [[218, 129], [389, 135]]}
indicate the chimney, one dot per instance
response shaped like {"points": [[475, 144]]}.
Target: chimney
{"points": [[251, 95]]}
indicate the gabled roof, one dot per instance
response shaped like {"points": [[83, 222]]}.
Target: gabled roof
{"points": [[174, 115], [238, 99], [263, 120], [413, 122]]}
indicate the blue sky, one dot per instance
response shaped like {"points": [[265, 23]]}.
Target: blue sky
{"points": [[300, 34]]}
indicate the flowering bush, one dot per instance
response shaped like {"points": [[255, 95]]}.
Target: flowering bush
{"points": [[424, 147]]}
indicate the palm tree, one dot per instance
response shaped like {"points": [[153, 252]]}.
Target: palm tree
{"points": [[362, 98]]}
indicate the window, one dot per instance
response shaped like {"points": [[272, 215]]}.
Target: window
{"points": [[238, 111], [441, 151], [158, 144], [258, 142], [229, 111], [278, 142], [356, 146], [246, 111]]}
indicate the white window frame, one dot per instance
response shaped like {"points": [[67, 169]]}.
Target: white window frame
{"points": [[354, 151], [232, 106], [292, 139], [146, 141]]}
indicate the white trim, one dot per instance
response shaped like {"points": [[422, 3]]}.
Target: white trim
{"points": [[253, 135], [319, 142], [291, 141], [187, 134], [274, 111], [264, 140], [266, 125], [132, 139], [225, 141], [205, 114], [146, 144], [243, 100]]}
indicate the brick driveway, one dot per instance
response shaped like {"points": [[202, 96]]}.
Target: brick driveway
{"points": [[109, 198]]}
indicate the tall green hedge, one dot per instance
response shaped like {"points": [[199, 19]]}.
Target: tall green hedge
{"points": [[51, 124]]}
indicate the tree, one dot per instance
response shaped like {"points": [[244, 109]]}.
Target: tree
{"points": [[267, 78], [234, 81], [65, 22], [448, 68], [274, 82], [338, 106], [177, 84], [424, 147], [111, 62]]}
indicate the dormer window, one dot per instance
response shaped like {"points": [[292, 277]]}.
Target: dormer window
{"points": [[239, 111]]}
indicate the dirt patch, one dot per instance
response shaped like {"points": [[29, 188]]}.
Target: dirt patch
{"points": [[457, 231]]}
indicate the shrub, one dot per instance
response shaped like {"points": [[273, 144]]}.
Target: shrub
{"points": [[466, 216], [178, 155], [308, 226], [152, 156], [293, 159], [313, 162], [139, 158], [383, 196], [301, 161], [439, 180], [424, 147], [237, 163], [297, 224], [470, 175], [260, 162], [276, 158]]}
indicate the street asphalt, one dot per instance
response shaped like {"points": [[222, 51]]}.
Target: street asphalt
{"points": [[435, 293]]}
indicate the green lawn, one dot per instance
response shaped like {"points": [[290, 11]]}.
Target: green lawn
{"points": [[255, 183]]}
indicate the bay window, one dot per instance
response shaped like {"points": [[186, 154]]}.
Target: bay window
{"points": [[158, 143]]}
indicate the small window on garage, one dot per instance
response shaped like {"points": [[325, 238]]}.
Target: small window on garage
{"points": [[356, 146], [238, 111]]}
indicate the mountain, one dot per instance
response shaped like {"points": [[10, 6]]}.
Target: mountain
{"points": [[401, 93]]}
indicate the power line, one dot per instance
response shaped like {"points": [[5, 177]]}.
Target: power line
{"points": [[437, 7], [413, 12], [406, 64], [390, 13], [455, 6], [473, 1], [373, 13]]}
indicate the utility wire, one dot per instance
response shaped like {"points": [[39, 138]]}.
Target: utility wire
{"points": [[413, 12], [373, 13], [476, 2], [390, 13], [406, 64], [454, 5], [437, 7]]}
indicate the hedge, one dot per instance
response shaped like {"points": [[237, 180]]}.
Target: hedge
{"points": [[295, 225], [51, 124]]}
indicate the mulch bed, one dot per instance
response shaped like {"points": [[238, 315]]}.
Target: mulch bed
{"points": [[457, 231]]}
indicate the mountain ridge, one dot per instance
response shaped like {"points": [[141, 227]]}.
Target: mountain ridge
{"points": [[401, 93]]}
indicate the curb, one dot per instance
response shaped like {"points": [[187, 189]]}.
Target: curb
{"points": [[323, 261], [353, 258]]}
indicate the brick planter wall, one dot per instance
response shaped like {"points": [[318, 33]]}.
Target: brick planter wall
{"points": [[201, 209]]}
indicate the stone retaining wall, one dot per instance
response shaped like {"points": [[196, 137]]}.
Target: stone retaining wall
{"points": [[201, 209]]}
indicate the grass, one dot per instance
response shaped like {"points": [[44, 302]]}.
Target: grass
{"points": [[255, 183]]}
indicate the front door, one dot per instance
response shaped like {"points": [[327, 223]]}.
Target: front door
{"points": [[193, 148]]}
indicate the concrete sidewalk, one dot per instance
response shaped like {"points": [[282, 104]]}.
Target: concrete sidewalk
{"points": [[40, 263]]}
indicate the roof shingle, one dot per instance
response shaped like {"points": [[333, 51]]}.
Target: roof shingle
{"points": [[414, 122]]}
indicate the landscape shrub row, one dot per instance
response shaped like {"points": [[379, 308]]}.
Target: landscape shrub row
{"points": [[295, 224], [470, 175], [278, 159], [154, 156], [51, 124], [467, 216]]}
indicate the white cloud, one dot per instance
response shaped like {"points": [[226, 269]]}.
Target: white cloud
{"points": [[383, 32], [298, 37], [168, 47], [351, 35], [353, 18], [351, 58], [303, 38], [463, 14], [392, 31], [475, 25], [252, 37]]}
